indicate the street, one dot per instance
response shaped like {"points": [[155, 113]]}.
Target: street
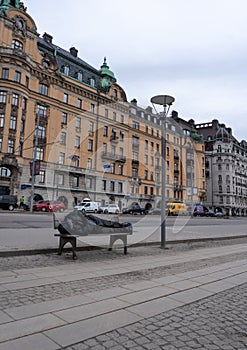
{"points": [[23, 231]]}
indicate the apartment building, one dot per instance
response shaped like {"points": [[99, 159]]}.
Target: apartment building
{"points": [[226, 168], [68, 132]]}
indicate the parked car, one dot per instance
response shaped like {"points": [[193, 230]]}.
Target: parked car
{"points": [[8, 202], [47, 206], [176, 208], [200, 210], [135, 209], [88, 207], [110, 209]]}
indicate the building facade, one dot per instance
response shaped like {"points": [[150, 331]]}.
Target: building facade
{"points": [[226, 169], [67, 131]]}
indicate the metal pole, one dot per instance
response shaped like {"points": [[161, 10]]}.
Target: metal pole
{"points": [[34, 159], [163, 174]]}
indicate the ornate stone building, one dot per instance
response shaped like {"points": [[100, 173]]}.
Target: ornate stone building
{"points": [[67, 131], [226, 168]]}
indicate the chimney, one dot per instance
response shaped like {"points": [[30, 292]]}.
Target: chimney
{"points": [[73, 51], [134, 102], [48, 38]]}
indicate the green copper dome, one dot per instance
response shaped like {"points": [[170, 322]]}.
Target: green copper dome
{"points": [[105, 71]]}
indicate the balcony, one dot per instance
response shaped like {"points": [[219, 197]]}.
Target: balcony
{"points": [[114, 139], [113, 156], [135, 161]]}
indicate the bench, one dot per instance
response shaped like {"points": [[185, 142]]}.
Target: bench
{"points": [[72, 239]]}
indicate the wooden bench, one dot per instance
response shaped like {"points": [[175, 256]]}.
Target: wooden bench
{"points": [[72, 239]]}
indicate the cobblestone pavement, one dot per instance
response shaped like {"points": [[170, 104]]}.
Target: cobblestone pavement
{"points": [[218, 322], [32, 295]]}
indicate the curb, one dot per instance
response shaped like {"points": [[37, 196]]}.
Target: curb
{"points": [[88, 248]]}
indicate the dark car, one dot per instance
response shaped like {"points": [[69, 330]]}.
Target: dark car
{"points": [[200, 210], [8, 202], [135, 209], [49, 206]]}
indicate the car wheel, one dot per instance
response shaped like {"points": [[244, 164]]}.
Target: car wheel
{"points": [[83, 211], [117, 212], [43, 209], [11, 207], [61, 210], [106, 212]]}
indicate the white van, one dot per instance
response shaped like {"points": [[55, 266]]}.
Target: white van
{"points": [[88, 207]]}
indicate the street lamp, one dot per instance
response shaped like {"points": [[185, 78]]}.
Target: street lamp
{"points": [[164, 100]]}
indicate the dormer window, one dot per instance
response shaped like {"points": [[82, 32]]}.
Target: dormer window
{"points": [[65, 69], [92, 82], [79, 76]]}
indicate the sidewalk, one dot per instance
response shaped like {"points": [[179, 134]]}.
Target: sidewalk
{"points": [[149, 299]]}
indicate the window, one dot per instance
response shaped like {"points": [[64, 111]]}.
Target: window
{"points": [[66, 70], [12, 124], [63, 138], [11, 144], [146, 159], [61, 158], [135, 125], [17, 77], [60, 179], [90, 127], [79, 76], [3, 96], [2, 120], [64, 118], [43, 89], [16, 44], [27, 82], [79, 103], [103, 185], [135, 141], [78, 123], [92, 107], [145, 174], [5, 73], [120, 169], [121, 135], [134, 172], [135, 155], [77, 141], [42, 176], [40, 153], [65, 98], [75, 160], [114, 93], [167, 151], [105, 131], [89, 182], [122, 119], [89, 163], [152, 161], [1, 143], [104, 148], [114, 116], [90, 145], [112, 186], [24, 104], [75, 182], [42, 111], [92, 82], [15, 100], [120, 187], [106, 113]]}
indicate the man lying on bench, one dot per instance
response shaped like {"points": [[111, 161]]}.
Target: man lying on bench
{"points": [[77, 223]]}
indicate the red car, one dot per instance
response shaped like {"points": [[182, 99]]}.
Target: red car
{"points": [[49, 206]]}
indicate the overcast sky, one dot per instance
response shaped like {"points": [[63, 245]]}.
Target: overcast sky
{"points": [[194, 50]]}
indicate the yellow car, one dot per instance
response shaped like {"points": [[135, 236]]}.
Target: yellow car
{"points": [[176, 208]]}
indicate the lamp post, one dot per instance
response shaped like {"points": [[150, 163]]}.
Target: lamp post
{"points": [[34, 159], [165, 101]]}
